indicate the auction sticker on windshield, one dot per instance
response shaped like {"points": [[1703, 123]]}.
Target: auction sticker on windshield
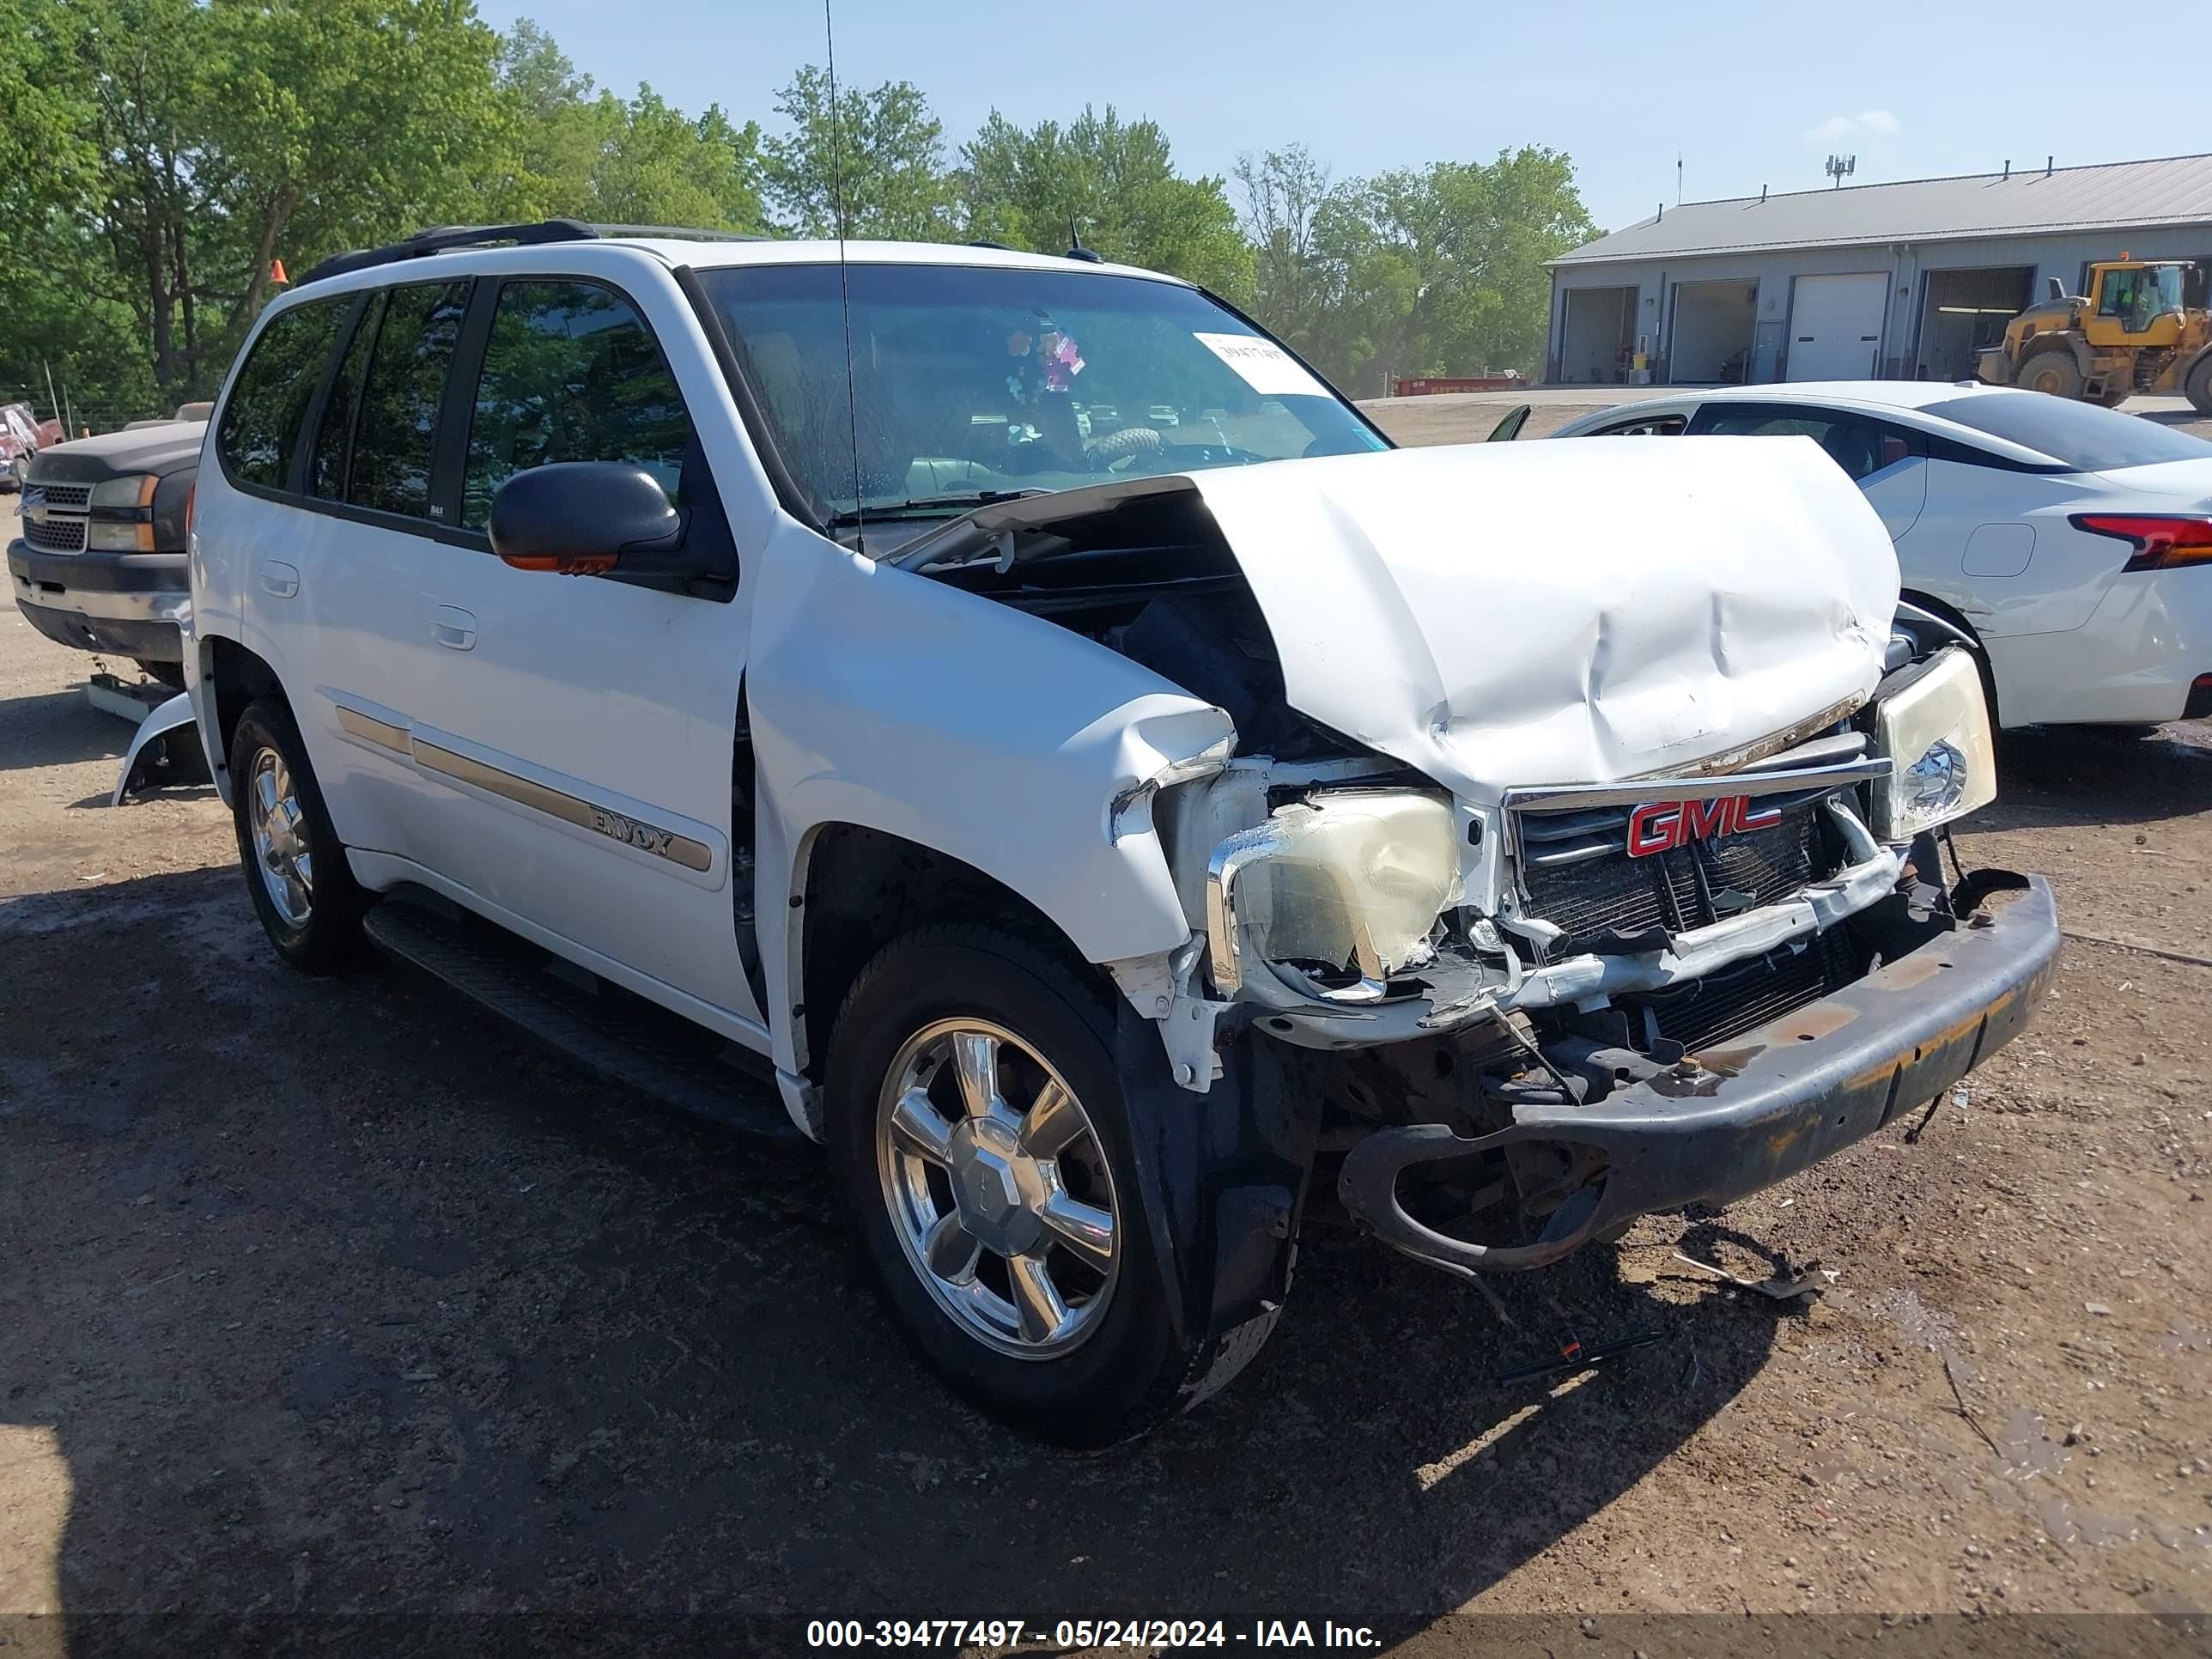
{"points": [[1264, 366]]}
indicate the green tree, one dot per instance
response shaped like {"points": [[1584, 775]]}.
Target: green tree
{"points": [[143, 205], [225, 134], [334, 124], [1294, 289], [879, 155], [1114, 183], [44, 155], [606, 161], [656, 166], [1440, 269], [553, 135]]}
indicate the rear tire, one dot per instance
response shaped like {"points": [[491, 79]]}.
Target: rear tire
{"points": [[2054, 372], [296, 866], [2197, 387], [1080, 1349]]}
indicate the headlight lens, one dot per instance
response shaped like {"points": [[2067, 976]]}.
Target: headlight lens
{"points": [[106, 535], [1935, 732], [1354, 878], [133, 491]]}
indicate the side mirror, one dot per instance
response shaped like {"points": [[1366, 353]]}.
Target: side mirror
{"points": [[594, 519]]}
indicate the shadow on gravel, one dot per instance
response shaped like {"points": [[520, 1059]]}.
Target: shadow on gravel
{"points": [[55, 727], [340, 1300], [2100, 776]]}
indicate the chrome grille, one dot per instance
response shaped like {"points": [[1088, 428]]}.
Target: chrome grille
{"points": [[1576, 874], [55, 535]]}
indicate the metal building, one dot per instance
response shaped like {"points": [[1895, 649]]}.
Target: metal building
{"points": [[1901, 281]]}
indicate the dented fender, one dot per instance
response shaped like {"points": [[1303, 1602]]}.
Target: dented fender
{"points": [[967, 727]]}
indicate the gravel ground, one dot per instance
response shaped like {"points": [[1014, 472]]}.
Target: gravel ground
{"points": [[326, 1300]]}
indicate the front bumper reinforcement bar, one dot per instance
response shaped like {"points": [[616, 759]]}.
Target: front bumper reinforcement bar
{"points": [[1756, 1110]]}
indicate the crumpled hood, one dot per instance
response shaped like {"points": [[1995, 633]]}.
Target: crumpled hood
{"points": [[1573, 612]]}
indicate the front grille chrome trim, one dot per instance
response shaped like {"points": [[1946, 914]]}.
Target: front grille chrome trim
{"points": [[1566, 797]]}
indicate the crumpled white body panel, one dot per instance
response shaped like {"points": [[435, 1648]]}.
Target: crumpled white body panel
{"points": [[1515, 614]]}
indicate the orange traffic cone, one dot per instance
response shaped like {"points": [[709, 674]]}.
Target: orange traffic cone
{"points": [[277, 276]]}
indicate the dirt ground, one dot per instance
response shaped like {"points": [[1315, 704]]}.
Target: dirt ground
{"points": [[337, 1310]]}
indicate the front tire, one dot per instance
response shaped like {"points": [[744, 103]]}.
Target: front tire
{"points": [[978, 1129], [296, 865], [2054, 372]]}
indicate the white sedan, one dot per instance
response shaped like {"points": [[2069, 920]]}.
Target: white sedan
{"points": [[2075, 542]]}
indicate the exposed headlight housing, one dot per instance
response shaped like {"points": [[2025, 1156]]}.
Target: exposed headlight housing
{"points": [[1351, 879], [1935, 732]]}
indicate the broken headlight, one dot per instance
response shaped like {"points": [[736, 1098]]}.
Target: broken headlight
{"points": [[1349, 883], [1934, 730]]}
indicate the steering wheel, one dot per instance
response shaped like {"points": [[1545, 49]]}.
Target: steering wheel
{"points": [[1121, 451], [1142, 449]]}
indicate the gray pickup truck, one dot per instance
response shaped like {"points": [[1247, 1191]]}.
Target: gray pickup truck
{"points": [[100, 561]]}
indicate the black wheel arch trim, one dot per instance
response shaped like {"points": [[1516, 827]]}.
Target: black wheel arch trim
{"points": [[1222, 1180]]}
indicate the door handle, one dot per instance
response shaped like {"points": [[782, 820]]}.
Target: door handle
{"points": [[453, 628], [279, 578]]}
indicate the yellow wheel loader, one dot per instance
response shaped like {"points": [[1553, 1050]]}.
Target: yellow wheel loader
{"points": [[2131, 333]]}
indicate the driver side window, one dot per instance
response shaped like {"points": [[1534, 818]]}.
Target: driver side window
{"points": [[571, 373]]}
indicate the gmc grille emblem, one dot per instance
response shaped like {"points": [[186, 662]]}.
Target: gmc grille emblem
{"points": [[1660, 826]]}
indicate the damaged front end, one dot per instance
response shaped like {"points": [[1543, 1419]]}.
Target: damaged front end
{"points": [[1680, 989], [1583, 887]]}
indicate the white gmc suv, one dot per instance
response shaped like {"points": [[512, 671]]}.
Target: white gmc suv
{"points": [[1003, 717]]}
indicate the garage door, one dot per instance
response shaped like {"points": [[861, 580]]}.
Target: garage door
{"points": [[1835, 326]]}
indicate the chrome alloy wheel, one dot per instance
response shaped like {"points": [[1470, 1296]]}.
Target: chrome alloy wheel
{"points": [[280, 839], [998, 1187]]}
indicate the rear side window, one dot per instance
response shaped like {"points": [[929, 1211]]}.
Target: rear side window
{"points": [[1650, 426], [327, 472], [260, 428], [2082, 436], [396, 435], [571, 373], [1860, 447]]}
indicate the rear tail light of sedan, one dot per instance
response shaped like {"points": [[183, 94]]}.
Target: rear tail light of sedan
{"points": [[2161, 541]]}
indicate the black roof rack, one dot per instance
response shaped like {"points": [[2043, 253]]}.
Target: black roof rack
{"points": [[442, 239]]}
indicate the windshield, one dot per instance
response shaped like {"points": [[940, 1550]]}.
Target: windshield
{"points": [[2140, 297], [2081, 435], [975, 382]]}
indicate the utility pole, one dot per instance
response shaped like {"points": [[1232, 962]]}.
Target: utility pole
{"points": [[53, 401], [1840, 167], [1678, 178]]}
